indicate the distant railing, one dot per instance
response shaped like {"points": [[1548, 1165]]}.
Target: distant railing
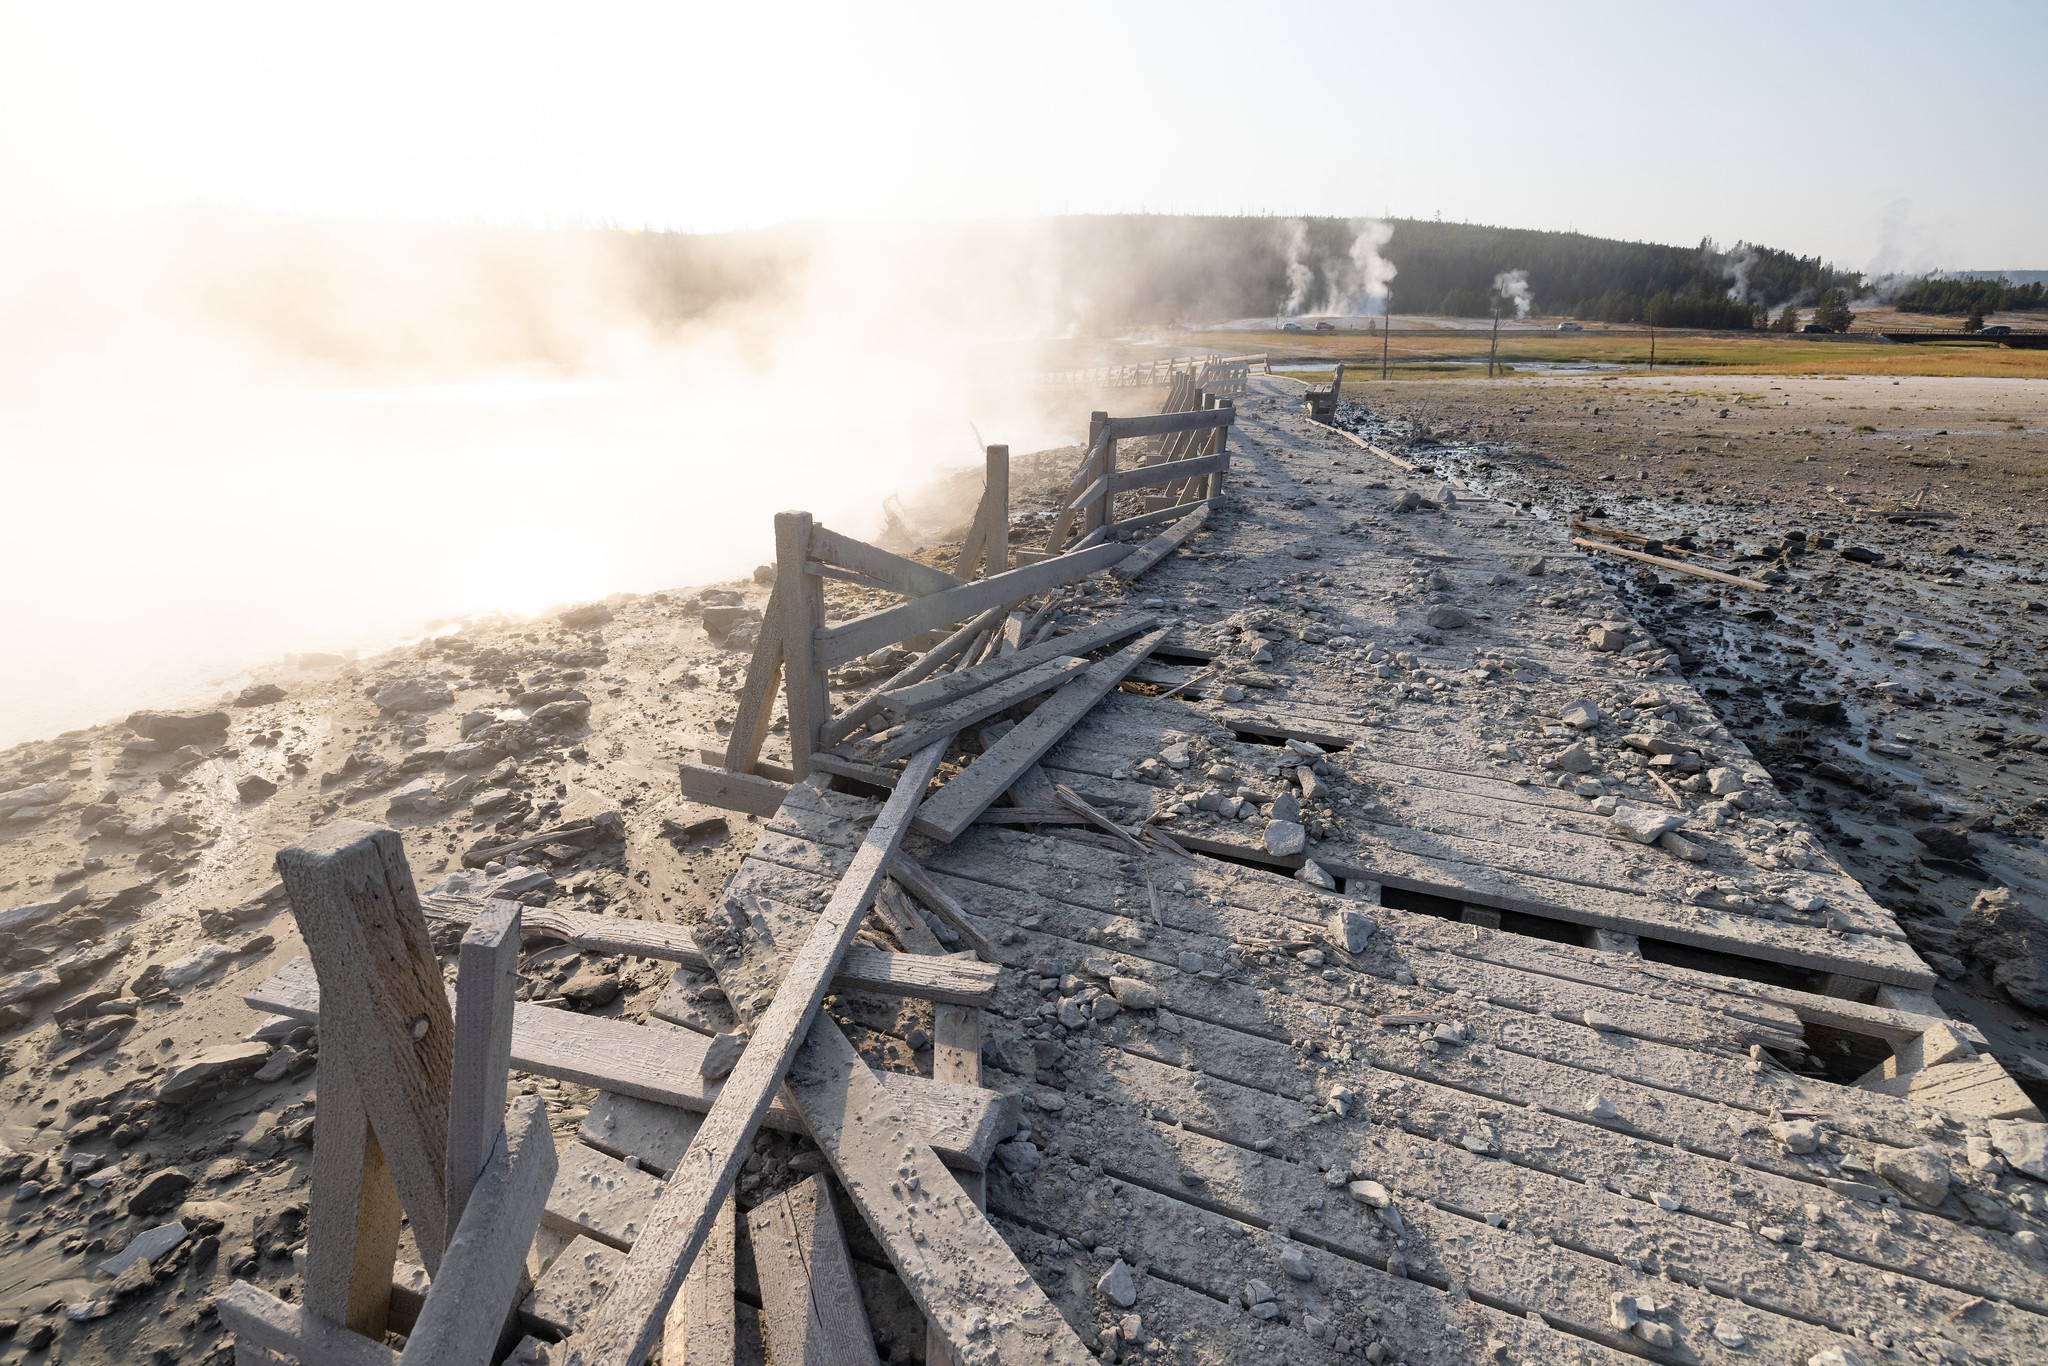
{"points": [[1223, 376]]}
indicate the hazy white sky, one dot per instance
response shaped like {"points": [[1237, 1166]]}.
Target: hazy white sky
{"points": [[1771, 122]]}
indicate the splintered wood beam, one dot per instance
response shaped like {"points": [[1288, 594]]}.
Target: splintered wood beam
{"points": [[953, 808], [728, 789], [479, 1280], [918, 882], [835, 645], [764, 678], [265, 1323], [628, 1323], [942, 722], [808, 1293], [664, 1067], [923, 667], [863, 968], [385, 1022], [1160, 546], [700, 1329], [937, 692], [802, 614]]}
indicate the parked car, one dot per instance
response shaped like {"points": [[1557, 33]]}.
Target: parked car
{"points": [[1817, 327], [1326, 327], [1995, 330], [1291, 327], [1570, 327]]}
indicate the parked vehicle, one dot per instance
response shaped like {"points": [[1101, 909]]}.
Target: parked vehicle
{"points": [[1817, 327], [1326, 327], [1570, 327], [1995, 330]]}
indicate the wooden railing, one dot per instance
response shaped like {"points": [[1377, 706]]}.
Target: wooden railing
{"points": [[1222, 375]]}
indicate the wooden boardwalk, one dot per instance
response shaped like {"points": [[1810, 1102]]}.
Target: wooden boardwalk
{"points": [[1491, 1081]]}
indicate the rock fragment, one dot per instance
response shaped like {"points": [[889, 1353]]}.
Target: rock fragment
{"points": [[1117, 1285]]}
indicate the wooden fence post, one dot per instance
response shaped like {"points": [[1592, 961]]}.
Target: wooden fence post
{"points": [[1218, 443], [803, 612], [988, 537], [486, 979], [387, 1053]]}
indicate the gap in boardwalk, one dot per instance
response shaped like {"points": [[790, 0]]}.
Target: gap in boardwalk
{"points": [[1513, 922], [1729, 965]]}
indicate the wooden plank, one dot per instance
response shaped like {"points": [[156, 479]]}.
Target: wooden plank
{"points": [[927, 664], [863, 968], [479, 1280], [571, 1288], [828, 761], [385, 1020], [764, 677], [956, 1057], [731, 790], [1160, 424], [962, 1123], [956, 805], [353, 1222], [941, 723], [913, 876], [1159, 547], [904, 922], [624, 1126], [1152, 476], [922, 697], [963, 1277], [1698, 571], [903, 575], [266, 1323], [835, 645], [596, 1195], [988, 539], [808, 1294], [762, 768], [700, 1329], [626, 1326], [487, 976], [805, 691]]}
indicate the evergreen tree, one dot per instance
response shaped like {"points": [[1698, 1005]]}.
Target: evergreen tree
{"points": [[1833, 310], [1788, 321]]}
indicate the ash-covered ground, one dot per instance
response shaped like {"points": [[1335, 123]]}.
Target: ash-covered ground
{"points": [[1890, 667]]}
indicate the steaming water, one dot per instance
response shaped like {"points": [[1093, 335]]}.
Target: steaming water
{"points": [[158, 549]]}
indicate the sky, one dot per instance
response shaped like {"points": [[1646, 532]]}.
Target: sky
{"points": [[1773, 123]]}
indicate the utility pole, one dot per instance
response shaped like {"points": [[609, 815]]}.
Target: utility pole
{"points": [[1386, 331], [1493, 349]]}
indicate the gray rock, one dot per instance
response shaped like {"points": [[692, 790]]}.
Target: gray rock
{"points": [[418, 692], [1644, 824], [1284, 839], [1798, 1135], [145, 1246], [2023, 1144], [585, 615], [1370, 1194], [1607, 639], [1448, 618], [1018, 1155], [280, 1066], [1532, 568], [1921, 1174], [197, 1075], [568, 712], [196, 965], [34, 795], [259, 695], [1725, 782], [722, 1056], [1118, 1286], [1315, 875], [1575, 759], [1133, 994], [1257, 1291], [255, 788], [1104, 1008], [1296, 1263], [1191, 962], [1285, 807], [31, 985], [161, 1189], [2013, 942], [418, 794], [177, 728], [1583, 714], [1073, 1014], [1351, 929]]}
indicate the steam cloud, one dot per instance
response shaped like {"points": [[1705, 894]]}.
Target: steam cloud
{"points": [[1737, 269], [1514, 284], [1355, 284]]}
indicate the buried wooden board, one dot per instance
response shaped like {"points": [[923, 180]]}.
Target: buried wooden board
{"points": [[863, 968], [962, 1122], [809, 1296]]}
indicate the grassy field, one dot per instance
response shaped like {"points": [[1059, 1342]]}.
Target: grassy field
{"points": [[1762, 353]]}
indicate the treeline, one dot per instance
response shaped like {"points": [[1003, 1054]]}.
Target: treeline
{"points": [[1975, 298]]}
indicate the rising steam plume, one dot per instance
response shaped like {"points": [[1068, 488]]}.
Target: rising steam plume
{"points": [[1355, 282], [1513, 285]]}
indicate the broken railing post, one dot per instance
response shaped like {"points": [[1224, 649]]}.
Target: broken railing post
{"points": [[387, 1052], [486, 978], [802, 614]]}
